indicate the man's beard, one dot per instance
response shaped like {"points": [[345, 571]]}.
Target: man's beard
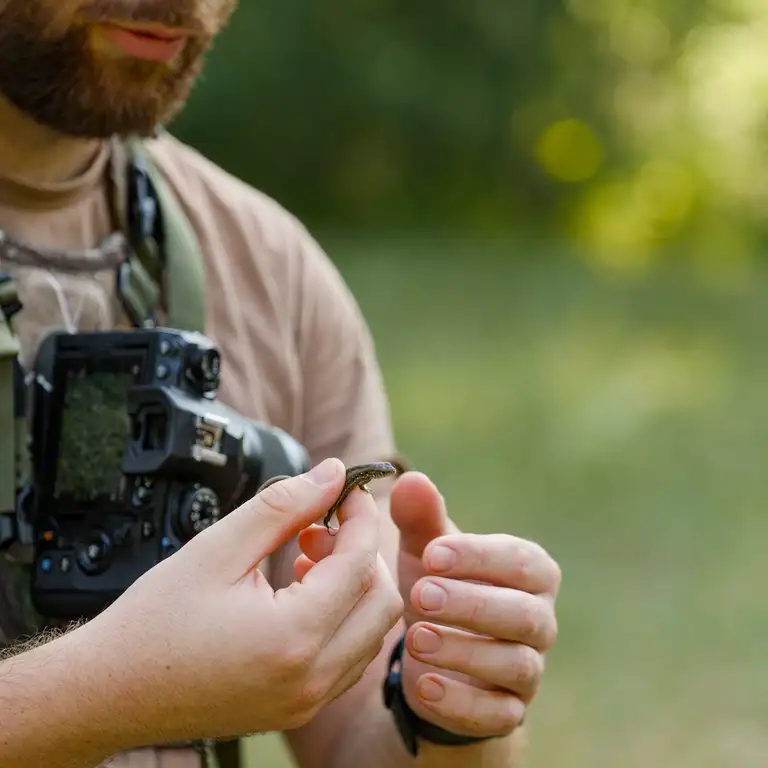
{"points": [[49, 70]]}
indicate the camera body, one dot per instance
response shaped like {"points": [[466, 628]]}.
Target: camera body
{"points": [[132, 456]]}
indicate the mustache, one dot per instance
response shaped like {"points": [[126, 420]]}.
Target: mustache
{"points": [[183, 14]]}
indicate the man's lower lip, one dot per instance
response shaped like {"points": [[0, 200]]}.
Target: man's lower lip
{"points": [[142, 46]]}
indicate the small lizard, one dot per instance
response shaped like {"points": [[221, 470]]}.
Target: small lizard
{"points": [[357, 477]]}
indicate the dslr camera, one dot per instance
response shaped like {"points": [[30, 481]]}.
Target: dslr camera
{"points": [[132, 456]]}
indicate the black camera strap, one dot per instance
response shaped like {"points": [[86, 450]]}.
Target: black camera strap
{"points": [[163, 272]]}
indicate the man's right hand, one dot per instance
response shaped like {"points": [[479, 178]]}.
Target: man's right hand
{"points": [[202, 647]]}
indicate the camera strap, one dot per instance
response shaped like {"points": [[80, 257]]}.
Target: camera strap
{"points": [[164, 270]]}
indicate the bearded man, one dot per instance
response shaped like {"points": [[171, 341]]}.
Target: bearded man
{"points": [[262, 622]]}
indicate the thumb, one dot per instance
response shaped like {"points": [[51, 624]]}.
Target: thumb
{"points": [[418, 510], [244, 537]]}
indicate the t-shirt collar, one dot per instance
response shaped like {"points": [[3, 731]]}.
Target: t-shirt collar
{"points": [[21, 193]]}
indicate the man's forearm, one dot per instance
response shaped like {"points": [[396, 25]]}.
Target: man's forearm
{"points": [[372, 740], [56, 708]]}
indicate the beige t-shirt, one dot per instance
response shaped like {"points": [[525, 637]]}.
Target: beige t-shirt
{"points": [[296, 351]]}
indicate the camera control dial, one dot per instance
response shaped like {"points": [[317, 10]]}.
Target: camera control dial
{"points": [[199, 509]]}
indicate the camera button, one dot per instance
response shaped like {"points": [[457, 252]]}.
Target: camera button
{"points": [[93, 554], [142, 496], [123, 536], [46, 565], [147, 530], [65, 565], [166, 548]]}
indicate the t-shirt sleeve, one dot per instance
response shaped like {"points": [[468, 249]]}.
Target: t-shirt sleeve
{"points": [[345, 409]]}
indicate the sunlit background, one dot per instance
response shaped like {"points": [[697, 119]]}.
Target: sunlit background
{"points": [[554, 218]]}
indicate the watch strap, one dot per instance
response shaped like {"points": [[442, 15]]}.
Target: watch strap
{"points": [[411, 727]]}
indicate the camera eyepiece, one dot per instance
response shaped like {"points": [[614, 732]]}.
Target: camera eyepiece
{"points": [[203, 370]]}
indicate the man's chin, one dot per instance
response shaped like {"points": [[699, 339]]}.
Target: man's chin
{"points": [[101, 97], [104, 112], [99, 126]]}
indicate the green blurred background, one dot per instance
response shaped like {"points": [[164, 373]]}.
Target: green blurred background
{"points": [[553, 216]]}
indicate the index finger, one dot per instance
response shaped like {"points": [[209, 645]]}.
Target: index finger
{"points": [[498, 559], [334, 586]]}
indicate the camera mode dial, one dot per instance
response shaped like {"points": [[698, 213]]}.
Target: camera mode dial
{"points": [[199, 509]]}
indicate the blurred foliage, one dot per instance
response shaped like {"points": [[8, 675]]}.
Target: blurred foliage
{"points": [[624, 425], [634, 126]]}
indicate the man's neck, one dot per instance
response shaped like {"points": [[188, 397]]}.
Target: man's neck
{"points": [[37, 154]]}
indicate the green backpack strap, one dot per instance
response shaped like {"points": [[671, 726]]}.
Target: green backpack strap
{"points": [[170, 273]]}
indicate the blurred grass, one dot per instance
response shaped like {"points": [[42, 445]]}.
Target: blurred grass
{"points": [[623, 425]]}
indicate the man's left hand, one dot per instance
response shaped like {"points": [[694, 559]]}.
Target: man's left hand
{"points": [[480, 611]]}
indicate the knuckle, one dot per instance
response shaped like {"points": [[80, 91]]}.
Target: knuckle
{"points": [[550, 567], [478, 604], [521, 565], [530, 622], [474, 718], [395, 605], [466, 656], [477, 550], [368, 571], [472, 655], [550, 632], [509, 714], [392, 606], [300, 716], [297, 660], [528, 668], [313, 695]]}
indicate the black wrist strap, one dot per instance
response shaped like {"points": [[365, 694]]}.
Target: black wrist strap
{"points": [[411, 727]]}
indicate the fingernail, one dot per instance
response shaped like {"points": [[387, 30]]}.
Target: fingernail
{"points": [[323, 473], [431, 690], [426, 641], [442, 558], [432, 597]]}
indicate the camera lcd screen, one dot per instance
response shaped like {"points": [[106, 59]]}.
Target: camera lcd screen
{"points": [[94, 430]]}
